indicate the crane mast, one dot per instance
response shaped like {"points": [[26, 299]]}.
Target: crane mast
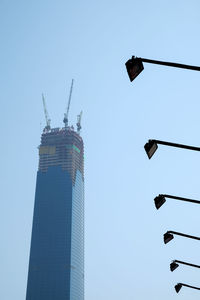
{"points": [[65, 120], [48, 120]]}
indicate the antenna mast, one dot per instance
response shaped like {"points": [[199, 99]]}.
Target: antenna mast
{"points": [[68, 106], [48, 120], [78, 124]]}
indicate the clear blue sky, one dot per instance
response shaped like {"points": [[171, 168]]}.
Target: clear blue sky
{"points": [[44, 44]]}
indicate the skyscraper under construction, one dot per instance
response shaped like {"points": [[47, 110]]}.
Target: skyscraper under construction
{"points": [[56, 265]]}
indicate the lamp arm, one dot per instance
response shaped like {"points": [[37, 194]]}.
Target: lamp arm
{"points": [[170, 64], [184, 235]]}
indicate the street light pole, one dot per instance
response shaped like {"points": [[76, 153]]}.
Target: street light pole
{"points": [[170, 64], [168, 236], [135, 66], [160, 199], [175, 264], [178, 286], [152, 145]]}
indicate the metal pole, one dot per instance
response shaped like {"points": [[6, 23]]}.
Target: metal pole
{"points": [[180, 198], [170, 64], [185, 263], [176, 145], [184, 235], [190, 286]]}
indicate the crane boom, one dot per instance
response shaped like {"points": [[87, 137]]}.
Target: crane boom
{"points": [[48, 120], [68, 106]]}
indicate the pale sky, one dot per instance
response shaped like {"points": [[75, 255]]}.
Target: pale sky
{"points": [[44, 44]]}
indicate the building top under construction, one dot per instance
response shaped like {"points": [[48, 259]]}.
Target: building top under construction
{"points": [[57, 134], [61, 147], [66, 115]]}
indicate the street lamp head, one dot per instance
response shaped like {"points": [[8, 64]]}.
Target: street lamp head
{"points": [[173, 266], [150, 148], [159, 201], [177, 287], [168, 237], [134, 67]]}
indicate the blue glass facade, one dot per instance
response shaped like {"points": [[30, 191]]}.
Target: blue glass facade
{"points": [[77, 255], [56, 266]]}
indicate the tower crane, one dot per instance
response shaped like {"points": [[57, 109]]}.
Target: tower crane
{"points": [[78, 124], [48, 120], [65, 120]]}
